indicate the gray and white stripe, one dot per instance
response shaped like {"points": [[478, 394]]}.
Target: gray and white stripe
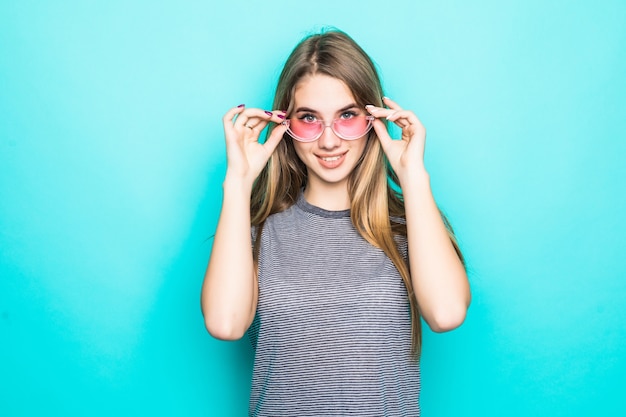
{"points": [[332, 333]]}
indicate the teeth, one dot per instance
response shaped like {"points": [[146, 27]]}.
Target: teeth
{"points": [[332, 158]]}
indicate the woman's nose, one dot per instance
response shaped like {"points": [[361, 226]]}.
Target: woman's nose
{"points": [[328, 140]]}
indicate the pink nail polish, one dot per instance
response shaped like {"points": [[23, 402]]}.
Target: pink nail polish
{"points": [[280, 116], [241, 105], [269, 113]]}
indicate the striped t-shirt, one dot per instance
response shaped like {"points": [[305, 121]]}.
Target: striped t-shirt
{"points": [[332, 332]]}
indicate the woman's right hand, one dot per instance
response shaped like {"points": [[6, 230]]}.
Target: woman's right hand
{"points": [[242, 128], [230, 289]]}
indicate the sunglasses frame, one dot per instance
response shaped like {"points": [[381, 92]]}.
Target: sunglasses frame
{"points": [[324, 125]]}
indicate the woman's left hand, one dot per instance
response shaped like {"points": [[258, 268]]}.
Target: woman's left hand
{"points": [[406, 155]]}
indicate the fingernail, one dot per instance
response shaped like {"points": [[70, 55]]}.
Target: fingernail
{"points": [[241, 105], [280, 116], [269, 113]]}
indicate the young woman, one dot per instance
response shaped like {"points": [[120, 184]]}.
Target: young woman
{"points": [[330, 246]]}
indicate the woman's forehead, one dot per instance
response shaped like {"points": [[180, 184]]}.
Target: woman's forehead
{"points": [[322, 93]]}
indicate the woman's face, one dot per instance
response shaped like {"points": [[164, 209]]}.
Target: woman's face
{"points": [[329, 159]]}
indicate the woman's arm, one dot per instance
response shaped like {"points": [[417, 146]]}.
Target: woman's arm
{"points": [[438, 276], [230, 289]]}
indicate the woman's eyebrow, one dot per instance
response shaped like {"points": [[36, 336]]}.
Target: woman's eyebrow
{"points": [[348, 107], [305, 109], [309, 110]]}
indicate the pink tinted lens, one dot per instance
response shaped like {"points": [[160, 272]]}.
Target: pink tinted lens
{"points": [[305, 130], [352, 128]]}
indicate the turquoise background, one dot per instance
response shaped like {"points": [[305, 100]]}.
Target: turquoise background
{"points": [[112, 157]]}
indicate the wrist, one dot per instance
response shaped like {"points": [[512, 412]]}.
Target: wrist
{"points": [[415, 179], [236, 183]]}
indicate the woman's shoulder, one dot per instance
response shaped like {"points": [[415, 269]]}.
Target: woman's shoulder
{"points": [[279, 219]]}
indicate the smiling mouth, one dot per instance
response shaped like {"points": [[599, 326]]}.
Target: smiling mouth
{"points": [[330, 158]]}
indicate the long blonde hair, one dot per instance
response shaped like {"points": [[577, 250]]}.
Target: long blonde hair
{"points": [[377, 207]]}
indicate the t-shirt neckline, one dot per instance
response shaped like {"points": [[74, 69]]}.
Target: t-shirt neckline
{"points": [[310, 208]]}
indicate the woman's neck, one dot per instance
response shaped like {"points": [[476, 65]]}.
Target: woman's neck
{"points": [[332, 197]]}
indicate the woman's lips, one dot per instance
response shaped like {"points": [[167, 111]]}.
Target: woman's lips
{"points": [[331, 161]]}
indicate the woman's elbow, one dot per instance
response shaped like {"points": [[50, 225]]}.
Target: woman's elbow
{"points": [[448, 319], [223, 329]]}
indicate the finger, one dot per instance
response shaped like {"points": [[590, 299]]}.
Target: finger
{"points": [[230, 115], [274, 138], [379, 112], [257, 124], [404, 118], [276, 116], [257, 119], [395, 116], [248, 118], [383, 135]]}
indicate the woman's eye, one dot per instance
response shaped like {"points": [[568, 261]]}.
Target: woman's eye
{"points": [[308, 118], [348, 115]]}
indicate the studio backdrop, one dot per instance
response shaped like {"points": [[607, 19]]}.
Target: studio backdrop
{"points": [[112, 157]]}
